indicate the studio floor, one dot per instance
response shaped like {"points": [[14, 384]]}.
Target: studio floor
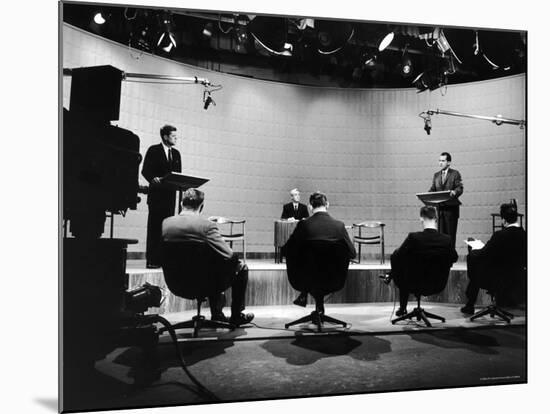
{"points": [[265, 361]]}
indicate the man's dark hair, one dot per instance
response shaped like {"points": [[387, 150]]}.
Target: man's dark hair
{"points": [[428, 212], [446, 155], [166, 130], [509, 212], [192, 198], [317, 199]]}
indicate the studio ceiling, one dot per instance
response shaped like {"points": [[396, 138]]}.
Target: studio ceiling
{"points": [[310, 51]]}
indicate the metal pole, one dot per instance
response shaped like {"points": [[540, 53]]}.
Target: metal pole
{"points": [[495, 119], [135, 77]]}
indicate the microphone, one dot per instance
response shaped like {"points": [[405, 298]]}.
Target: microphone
{"points": [[208, 100], [427, 125]]}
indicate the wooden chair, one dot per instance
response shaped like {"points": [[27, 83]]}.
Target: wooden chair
{"points": [[233, 231], [369, 232]]}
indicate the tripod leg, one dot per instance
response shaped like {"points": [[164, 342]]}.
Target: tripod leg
{"points": [[409, 315], [434, 316], [305, 319], [481, 313], [426, 321], [326, 318], [502, 315]]}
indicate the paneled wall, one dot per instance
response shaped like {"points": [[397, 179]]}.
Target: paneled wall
{"points": [[365, 148]]}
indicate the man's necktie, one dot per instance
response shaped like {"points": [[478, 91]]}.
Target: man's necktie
{"points": [[443, 176], [170, 158]]}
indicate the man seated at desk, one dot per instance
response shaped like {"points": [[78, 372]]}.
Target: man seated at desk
{"points": [[504, 258], [320, 226], [294, 210]]}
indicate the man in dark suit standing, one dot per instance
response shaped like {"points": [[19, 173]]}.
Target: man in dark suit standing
{"points": [[294, 209], [320, 226], [504, 258], [426, 243], [160, 160], [448, 179]]}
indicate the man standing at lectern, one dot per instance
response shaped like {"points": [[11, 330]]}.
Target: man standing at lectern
{"points": [[160, 160], [448, 179]]}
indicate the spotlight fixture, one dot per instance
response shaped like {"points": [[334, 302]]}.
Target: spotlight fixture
{"points": [[406, 64], [208, 30], [98, 18], [167, 39], [386, 41]]}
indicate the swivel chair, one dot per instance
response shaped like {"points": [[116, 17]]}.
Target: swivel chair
{"points": [[318, 267], [193, 270], [497, 287], [424, 275]]}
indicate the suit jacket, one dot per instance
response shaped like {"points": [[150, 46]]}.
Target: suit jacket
{"points": [[320, 226], [191, 226], [288, 211], [503, 257], [419, 250], [452, 182], [156, 164]]}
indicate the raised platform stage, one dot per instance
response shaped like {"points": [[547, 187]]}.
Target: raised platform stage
{"points": [[268, 285]]}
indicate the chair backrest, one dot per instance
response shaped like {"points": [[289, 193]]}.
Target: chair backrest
{"points": [[427, 274], [319, 265], [232, 229], [193, 270], [368, 232]]}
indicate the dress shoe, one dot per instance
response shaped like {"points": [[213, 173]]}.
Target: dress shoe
{"points": [[152, 266], [241, 319], [385, 278], [301, 300], [219, 317], [467, 310], [401, 312]]}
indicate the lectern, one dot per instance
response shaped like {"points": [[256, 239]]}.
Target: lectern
{"points": [[181, 182], [435, 198]]}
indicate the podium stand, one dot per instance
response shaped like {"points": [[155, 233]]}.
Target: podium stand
{"points": [[181, 182], [435, 198]]}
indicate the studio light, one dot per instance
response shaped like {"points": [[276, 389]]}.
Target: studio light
{"points": [[406, 64], [208, 30], [98, 18], [167, 39], [386, 41]]}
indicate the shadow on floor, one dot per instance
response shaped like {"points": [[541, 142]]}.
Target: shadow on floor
{"points": [[475, 340], [307, 350]]}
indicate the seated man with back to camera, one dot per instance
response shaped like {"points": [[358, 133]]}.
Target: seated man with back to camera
{"points": [[320, 226], [191, 225], [504, 257], [422, 243]]}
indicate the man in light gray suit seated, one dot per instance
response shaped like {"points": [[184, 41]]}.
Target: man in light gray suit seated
{"points": [[191, 225]]}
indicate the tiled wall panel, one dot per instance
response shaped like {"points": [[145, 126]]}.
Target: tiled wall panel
{"points": [[365, 148]]}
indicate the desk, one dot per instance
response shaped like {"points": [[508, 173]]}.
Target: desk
{"points": [[499, 226], [283, 230]]}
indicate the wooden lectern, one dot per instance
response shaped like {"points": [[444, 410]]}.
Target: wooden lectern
{"points": [[435, 198], [181, 182]]}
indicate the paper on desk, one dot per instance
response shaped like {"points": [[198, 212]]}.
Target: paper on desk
{"points": [[475, 244]]}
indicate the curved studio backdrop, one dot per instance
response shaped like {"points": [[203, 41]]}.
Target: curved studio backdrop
{"points": [[366, 149]]}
